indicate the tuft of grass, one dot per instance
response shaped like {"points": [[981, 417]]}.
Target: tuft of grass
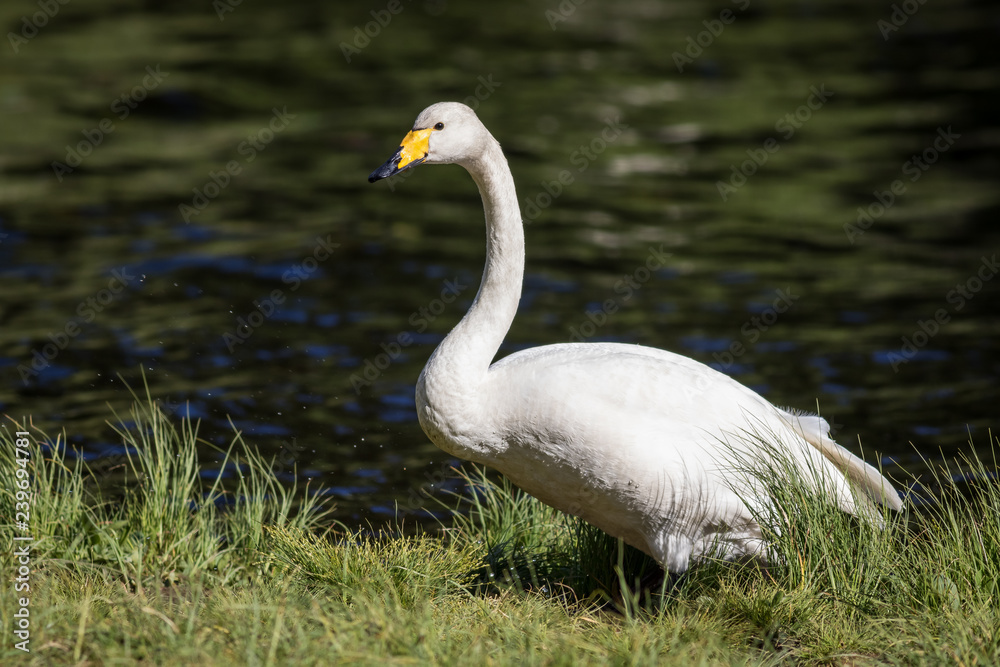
{"points": [[940, 554], [812, 544], [531, 546], [168, 520], [400, 569], [168, 564]]}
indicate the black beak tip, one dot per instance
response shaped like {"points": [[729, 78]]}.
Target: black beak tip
{"points": [[388, 169], [385, 171]]}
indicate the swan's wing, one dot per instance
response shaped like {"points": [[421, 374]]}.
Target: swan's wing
{"points": [[816, 431], [685, 401]]}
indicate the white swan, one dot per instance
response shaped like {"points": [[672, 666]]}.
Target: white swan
{"points": [[635, 440]]}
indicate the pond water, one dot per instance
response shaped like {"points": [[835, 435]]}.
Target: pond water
{"points": [[184, 196]]}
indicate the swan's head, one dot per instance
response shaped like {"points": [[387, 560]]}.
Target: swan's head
{"points": [[444, 133]]}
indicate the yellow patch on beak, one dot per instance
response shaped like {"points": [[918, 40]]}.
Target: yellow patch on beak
{"points": [[415, 145]]}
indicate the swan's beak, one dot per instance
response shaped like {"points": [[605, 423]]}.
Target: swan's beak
{"points": [[412, 151]]}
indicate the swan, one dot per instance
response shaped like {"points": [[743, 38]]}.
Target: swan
{"points": [[635, 440]]}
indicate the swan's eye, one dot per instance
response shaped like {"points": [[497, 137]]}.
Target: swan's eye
{"points": [[439, 126]]}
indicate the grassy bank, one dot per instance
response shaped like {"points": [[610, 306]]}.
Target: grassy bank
{"points": [[148, 559]]}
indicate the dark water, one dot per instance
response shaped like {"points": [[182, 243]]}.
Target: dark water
{"points": [[183, 193]]}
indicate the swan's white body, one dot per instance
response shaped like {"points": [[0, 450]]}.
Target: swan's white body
{"points": [[638, 441]]}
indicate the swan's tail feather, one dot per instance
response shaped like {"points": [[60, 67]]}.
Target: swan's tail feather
{"points": [[815, 430]]}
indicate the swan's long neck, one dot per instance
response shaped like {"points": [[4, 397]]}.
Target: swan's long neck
{"points": [[449, 400]]}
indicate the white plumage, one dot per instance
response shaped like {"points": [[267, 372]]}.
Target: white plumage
{"points": [[638, 441]]}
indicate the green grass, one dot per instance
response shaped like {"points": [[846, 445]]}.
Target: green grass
{"points": [[157, 562]]}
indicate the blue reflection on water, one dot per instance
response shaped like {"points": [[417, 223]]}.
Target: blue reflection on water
{"points": [[193, 232], [398, 407], [899, 357], [731, 368], [327, 320], [373, 474], [257, 428], [52, 373], [824, 366], [160, 266], [347, 491], [289, 314], [706, 344], [842, 392], [736, 277], [853, 317]]}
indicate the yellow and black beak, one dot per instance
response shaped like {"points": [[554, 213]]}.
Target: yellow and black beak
{"points": [[412, 151]]}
